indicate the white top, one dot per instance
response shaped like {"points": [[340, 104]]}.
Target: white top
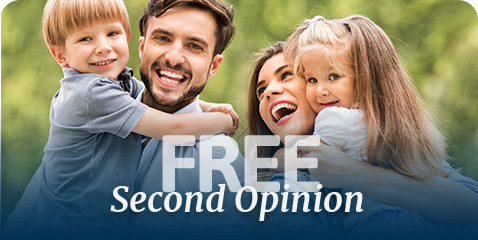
{"points": [[343, 129]]}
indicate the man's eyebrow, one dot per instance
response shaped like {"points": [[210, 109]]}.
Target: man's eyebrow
{"points": [[160, 31]]}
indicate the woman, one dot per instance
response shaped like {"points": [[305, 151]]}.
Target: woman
{"points": [[451, 200]]}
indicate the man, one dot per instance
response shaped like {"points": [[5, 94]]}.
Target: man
{"points": [[180, 46]]}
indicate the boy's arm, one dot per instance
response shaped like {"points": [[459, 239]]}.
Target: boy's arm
{"points": [[220, 107], [157, 124]]}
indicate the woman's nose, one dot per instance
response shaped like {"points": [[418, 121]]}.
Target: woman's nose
{"points": [[274, 88]]}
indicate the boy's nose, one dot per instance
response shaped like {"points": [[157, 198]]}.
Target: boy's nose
{"points": [[103, 46]]}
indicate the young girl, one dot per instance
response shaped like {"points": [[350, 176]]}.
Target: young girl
{"points": [[367, 107]]}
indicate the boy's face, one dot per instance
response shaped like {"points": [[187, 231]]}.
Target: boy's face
{"points": [[101, 48]]}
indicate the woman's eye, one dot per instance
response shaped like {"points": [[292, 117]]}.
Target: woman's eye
{"points": [[286, 75], [260, 91], [312, 80], [334, 76]]}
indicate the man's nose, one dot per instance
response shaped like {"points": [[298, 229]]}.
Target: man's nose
{"points": [[175, 55]]}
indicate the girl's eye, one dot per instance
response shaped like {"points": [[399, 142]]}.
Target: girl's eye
{"points": [[312, 80], [285, 75], [334, 76]]}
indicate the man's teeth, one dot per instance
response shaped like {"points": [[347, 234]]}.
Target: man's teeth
{"points": [[103, 63], [171, 74], [276, 108]]}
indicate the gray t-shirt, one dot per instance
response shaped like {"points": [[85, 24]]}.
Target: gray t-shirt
{"points": [[90, 151]]}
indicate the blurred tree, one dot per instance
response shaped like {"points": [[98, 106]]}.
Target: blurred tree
{"points": [[437, 41]]}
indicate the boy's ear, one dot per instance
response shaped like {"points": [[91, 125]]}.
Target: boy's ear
{"points": [[58, 55]]}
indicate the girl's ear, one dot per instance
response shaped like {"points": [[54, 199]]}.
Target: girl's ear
{"points": [[57, 53]]}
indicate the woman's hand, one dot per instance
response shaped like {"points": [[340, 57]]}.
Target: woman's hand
{"points": [[335, 169]]}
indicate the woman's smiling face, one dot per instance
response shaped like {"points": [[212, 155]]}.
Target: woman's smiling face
{"points": [[282, 101]]}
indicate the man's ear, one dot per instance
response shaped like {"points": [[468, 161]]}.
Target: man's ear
{"points": [[57, 53], [215, 64], [141, 46]]}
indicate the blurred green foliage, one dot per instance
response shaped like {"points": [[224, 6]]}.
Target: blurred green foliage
{"points": [[436, 39]]}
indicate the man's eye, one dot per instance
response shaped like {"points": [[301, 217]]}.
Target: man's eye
{"points": [[286, 75], [312, 80], [162, 38], [334, 76], [195, 46]]}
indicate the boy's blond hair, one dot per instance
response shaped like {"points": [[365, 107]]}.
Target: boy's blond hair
{"points": [[60, 17]]}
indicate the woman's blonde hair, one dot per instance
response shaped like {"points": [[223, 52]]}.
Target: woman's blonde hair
{"points": [[60, 17], [401, 134]]}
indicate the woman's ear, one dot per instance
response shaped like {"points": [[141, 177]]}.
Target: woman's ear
{"points": [[57, 53]]}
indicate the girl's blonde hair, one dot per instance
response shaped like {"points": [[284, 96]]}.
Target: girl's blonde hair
{"points": [[401, 134], [60, 17]]}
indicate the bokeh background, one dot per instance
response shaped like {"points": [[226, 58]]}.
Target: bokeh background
{"points": [[436, 39]]}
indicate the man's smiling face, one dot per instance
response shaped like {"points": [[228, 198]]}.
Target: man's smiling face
{"points": [[177, 57]]}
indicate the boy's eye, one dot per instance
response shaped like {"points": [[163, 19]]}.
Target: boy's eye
{"points": [[312, 80], [334, 76], [84, 39], [111, 34], [285, 75]]}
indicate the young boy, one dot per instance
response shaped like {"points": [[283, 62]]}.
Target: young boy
{"points": [[91, 148]]}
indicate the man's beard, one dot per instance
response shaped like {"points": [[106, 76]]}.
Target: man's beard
{"points": [[184, 98]]}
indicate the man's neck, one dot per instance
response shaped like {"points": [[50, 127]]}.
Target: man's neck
{"points": [[149, 100]]}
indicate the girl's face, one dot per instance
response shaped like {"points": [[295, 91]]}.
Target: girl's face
{"points": [[326, 85], [282, 102]]}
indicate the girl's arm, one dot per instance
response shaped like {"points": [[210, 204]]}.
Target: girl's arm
{"points": [[437, 198], [221, 107], [157, 124]]}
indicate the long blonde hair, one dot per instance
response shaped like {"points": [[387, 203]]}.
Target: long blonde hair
{"points": [[401, 134]]}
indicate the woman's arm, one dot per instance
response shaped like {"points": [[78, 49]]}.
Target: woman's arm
{"points": [[437, 198], [157, 124]]}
